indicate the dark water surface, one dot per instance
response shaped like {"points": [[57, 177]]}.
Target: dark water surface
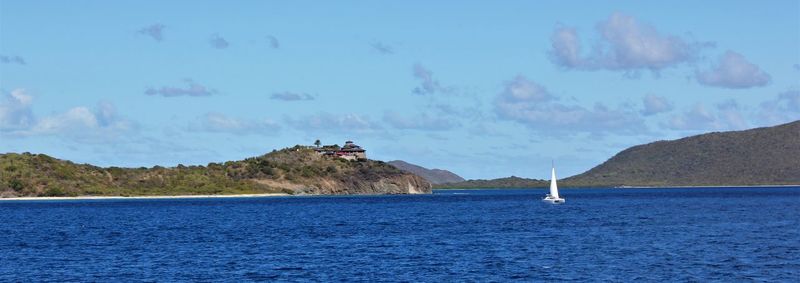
{"points": [[728, 234]]}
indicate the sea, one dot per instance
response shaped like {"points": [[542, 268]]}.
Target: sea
{"points": [[500, 235]]}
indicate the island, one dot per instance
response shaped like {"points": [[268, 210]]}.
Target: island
{"points": [[297, 170]]}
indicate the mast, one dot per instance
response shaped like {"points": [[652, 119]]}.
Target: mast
{"points": [[553, 186]]}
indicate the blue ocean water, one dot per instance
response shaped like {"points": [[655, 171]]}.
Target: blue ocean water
{"points": [[699, 234]]}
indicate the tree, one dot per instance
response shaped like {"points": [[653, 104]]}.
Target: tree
{"points": [[317, 143]]}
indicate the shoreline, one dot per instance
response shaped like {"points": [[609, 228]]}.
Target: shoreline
{"points": [[620, 187], [145, 197], [709, 186]]}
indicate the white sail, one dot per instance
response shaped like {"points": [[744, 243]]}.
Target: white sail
{"points": [[553, 186]]}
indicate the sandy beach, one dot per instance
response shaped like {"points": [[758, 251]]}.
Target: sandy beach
{"points": [[144, 197]]}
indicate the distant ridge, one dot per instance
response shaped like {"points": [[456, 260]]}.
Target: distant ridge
{"points": [[507, 182], [434, 176], [761, 156]]}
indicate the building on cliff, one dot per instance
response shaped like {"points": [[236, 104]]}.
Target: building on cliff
{"points": [[350, 151]]}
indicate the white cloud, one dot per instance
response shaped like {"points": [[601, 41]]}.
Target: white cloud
{"points": [[625, 44], [15, 111], [654, 104], [86, 125], [418, 122], [78, 123], [22, 97], [566, 47], [220, 123], [74, 119], [520, 89], [733, 71], [530, 104]]}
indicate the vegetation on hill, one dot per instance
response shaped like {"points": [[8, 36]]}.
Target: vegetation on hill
{"points": [[762, 156], [291, 170], [434, 176], [507, 182]]}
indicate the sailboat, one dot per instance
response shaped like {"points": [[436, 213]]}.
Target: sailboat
{"points": [[553, 197]]}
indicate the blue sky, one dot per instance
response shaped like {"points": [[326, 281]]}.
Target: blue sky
{"points": [[484, 89]]}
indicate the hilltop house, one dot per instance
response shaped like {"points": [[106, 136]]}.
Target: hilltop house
{"points": [[350, 151]]}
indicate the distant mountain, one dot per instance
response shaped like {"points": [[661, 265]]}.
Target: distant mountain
{"points": [[295, 170], [761, 156], [507, 182], [434, 176]]}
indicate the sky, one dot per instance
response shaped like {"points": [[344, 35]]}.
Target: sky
{"points": [[485, 89]]}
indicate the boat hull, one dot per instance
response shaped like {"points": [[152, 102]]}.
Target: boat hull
{"points": [[554, 200]]}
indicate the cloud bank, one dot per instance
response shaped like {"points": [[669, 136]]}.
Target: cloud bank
{"points": [[423, 122], [215, 122], [530, 104], [336, 123], [80, 123], [291, 96], [727, 115], [783, 108], [625, 44], [192, 89]]}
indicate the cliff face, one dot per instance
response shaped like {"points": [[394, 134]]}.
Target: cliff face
{"points": [[762, 156], [434, 176], [296, 170]]}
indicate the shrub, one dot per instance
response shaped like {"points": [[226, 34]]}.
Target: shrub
{"points": [[269, 171], [331, 169], [16, 185], [54, 192]]}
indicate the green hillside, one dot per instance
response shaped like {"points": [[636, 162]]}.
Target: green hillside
{"points": [[761, 156], [291, 170]]}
